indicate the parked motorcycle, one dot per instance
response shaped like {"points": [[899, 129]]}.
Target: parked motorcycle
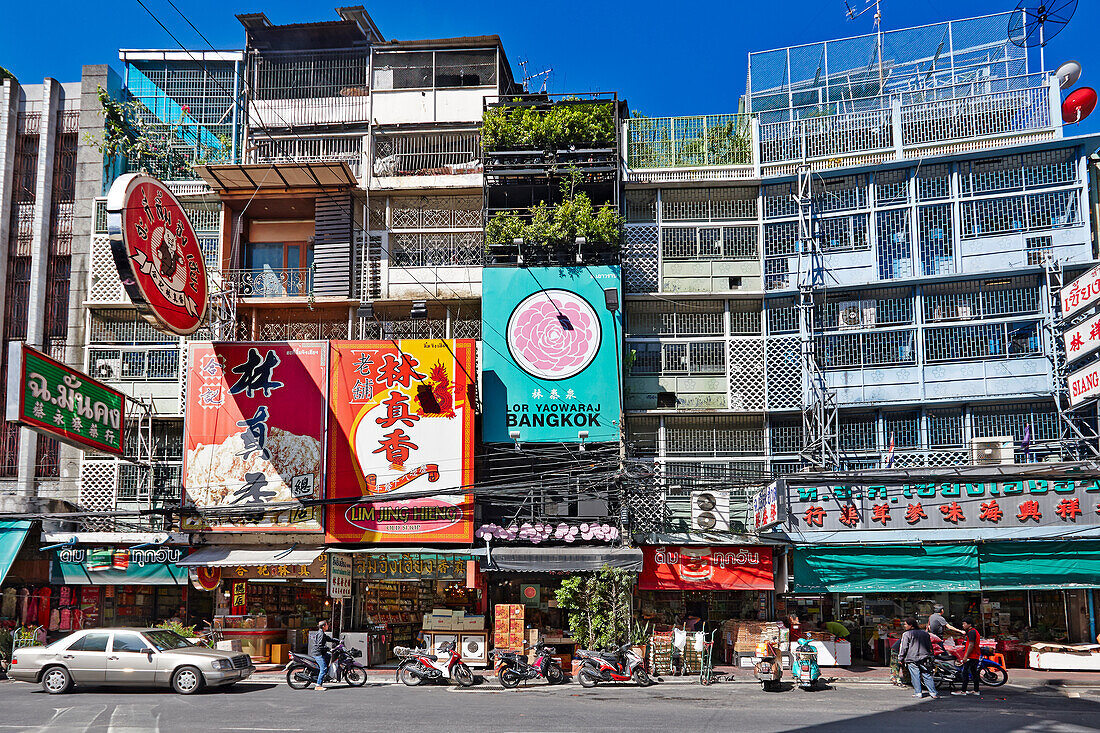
{"points": [[769, 670], [804, 666], [419, 665], [621, 665], [947, 672], [513, 668], [301, 670]]}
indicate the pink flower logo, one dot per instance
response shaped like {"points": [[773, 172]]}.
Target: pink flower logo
{"points": [[553, 334]]}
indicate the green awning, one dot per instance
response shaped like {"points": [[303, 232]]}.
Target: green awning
{"points": [[1042, 565], [12, 534], [885, 569]]}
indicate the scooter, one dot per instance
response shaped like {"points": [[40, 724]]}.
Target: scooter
{"points": [[622, 665], [301, 670], [804, 666], [947, 673], [513, 668], [418, 665], [769, 670]]}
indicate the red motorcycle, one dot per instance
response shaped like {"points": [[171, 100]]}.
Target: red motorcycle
{"points": [[419, 665], [622, 665]]}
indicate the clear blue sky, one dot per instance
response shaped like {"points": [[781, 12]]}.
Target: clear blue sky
{"points": [[665, 58]]}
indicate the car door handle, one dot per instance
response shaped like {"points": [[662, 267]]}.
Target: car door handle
{"points": [[68, 656], [112, 658]]}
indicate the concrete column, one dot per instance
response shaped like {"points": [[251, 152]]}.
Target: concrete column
{"points": [[40, 248], [9, 117]]}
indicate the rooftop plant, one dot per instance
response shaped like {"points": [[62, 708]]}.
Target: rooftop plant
{"points": [[547, 225], [566, 124]]}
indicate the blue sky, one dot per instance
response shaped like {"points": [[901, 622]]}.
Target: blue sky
{"points": [[664, 58]]}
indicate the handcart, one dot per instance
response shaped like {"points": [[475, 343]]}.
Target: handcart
{"points": [[25, 636]]}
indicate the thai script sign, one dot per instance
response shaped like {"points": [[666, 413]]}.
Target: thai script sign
{"points": [[339, 576], [119, 566], [551, 361], [1081, 293], [949, 505], [401, 423], [157, 254], [254, 430], [707, 568], [1082, 340], [1084, 383], [55, 400], [410, 566], [767, 506]]}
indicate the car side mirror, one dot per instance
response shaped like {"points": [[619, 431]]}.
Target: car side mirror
{"points": [[148, 652]]}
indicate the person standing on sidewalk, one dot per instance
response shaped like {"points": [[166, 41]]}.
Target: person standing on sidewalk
{"points": [[915, 653], [318, 649], [970, 658], [937, 624]]}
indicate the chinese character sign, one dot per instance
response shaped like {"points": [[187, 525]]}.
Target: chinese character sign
{"points": [[1034, 502], [401, 423], [255, 427], [552, 354], [766, 508], [1082, 340]]}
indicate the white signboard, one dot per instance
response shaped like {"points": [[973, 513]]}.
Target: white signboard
{"points": [[1082, 340], [339, 576], [767, 510], [1081, 293], [1084, 384]]}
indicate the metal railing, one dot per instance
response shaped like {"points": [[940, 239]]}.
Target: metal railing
{"points": [[427, 154], [265, 282], [826, 136], [348, 149], [689, 142], [998, 113]]}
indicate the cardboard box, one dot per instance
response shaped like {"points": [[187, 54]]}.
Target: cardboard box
{"points": [[473, 623], [229, 645], [280, 653]]}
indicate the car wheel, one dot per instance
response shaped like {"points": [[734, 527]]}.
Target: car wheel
{"points": [[187, 680], [56, 681]]}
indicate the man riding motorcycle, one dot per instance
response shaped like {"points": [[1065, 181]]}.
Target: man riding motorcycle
{"points": [[318, 649]]}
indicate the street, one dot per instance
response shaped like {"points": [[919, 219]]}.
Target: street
{"points": [[268, 706]]}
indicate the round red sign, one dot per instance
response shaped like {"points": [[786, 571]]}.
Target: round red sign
{"points": [[157, 253]]}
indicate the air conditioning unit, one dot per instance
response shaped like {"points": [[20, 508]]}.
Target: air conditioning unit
{"points": [[850, 314], [992, 451], [710, 511]]}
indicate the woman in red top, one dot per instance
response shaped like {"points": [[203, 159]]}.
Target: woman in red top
{"points": [[970, 658]]}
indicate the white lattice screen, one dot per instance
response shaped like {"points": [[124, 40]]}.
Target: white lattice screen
{"points": [[783, 374], [103, 282], [639, 259], [98, 483], [746, 356]]}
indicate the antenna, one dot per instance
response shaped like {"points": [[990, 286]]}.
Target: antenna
{"points": [[1034, 22], [528, 78], [877, 6]]}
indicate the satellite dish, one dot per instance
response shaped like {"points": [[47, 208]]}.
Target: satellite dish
{"points": [[1035, 22], [1078, 105], [1068, 74]]}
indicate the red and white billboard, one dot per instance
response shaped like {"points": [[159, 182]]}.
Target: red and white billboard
{"points": [[254, 430], [747, 567], [401, 425], [1084, 384], [157, 254]]}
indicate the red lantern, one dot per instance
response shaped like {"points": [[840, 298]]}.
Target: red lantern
{"points": [[1078, 105]]}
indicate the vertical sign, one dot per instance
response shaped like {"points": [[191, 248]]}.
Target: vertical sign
{"points": [[552, 354], [1081, 293], [254, 430], [339, 576], [1082, 340], [239, 600], [401, 422]]}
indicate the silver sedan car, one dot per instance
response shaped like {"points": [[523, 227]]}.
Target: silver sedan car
{"points": [[151, 657]]}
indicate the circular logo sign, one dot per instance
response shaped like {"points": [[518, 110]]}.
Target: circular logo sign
{"points": [[553, 334], [157, 254]]}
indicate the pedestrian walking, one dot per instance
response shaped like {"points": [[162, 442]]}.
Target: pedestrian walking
{"points": [[915, 653], [970, 658]]}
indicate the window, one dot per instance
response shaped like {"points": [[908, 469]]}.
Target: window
{"points": [[163, 639], [277, 268], [127, 642], [90, 643]]}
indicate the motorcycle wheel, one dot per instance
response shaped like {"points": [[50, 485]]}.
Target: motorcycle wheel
{"points": [[355, 676], [509, 679], [463, 675], [641, 678], [555, 675], [407, 677], [994, 676], [587, 677], [298, 677]]}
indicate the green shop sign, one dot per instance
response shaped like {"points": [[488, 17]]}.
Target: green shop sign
{"points": [[409, 566], [55, 400], [119, 566]]}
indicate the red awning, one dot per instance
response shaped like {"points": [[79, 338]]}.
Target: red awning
{"points": [[748, 567]]}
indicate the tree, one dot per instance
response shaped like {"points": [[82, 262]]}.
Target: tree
{"points": [[599, 607]]}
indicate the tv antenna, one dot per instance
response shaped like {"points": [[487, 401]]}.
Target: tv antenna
{"points": [[1034, 22], [875, 5], [528, 78]]}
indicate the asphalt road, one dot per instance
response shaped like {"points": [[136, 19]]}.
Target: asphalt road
{"points": [[266, 706]]}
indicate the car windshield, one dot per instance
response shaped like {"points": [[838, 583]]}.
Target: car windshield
{"points": [[163, 640]]}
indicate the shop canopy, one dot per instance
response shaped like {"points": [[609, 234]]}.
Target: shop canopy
{"points": [[1039, 565], [885, 569], [12, 534], [564, 559], [223, 557]]}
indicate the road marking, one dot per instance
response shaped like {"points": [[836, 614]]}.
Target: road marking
{"points": [[72, 719], [133, 718]]}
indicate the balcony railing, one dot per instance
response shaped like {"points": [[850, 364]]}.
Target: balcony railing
{"points": [[324, 149], [265, 282], [689, 142], [427, 154], [293, 89]]}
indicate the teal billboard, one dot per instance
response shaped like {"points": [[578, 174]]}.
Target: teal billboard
{"points": [[551, 356]]}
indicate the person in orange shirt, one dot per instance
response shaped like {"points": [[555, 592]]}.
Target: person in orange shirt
{"points": [[970, 658]]}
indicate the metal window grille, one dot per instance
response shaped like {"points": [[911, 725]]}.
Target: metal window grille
{"points": [[857, 432], [9, 450], [122, 326], [18, 297], [641, 205], [427, 69], [435, 212], [781, 239], [717, 435], [933, 182], [934, 235], [477, 68], [1005, 215], [685, 359], [128, 365], [64, 170], [1016, 172], [779, 201], [436, 249], [745, 317], [892, 187], [786, 435], [995, 420], [335, 148], [895, 256], [26, 164], [870, 349], [708, 204], [945, 428], [1039, 249], [427, 153], [298, 75], [46, 459], [57, 296], [709, 243], [782, 316], [904, 428], [844, 233], [866, 309], [982, 341], [839, 194], [688, 142], [642, 435], [777, 274], [974, 299], [675, 318]]}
